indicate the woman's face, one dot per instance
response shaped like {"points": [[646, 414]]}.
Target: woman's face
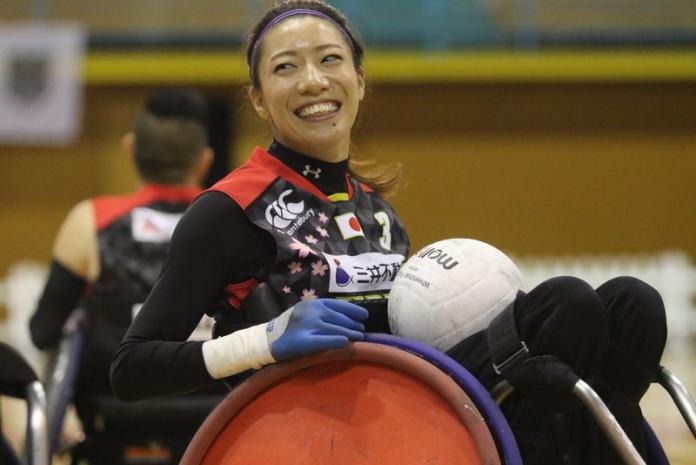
{"points": [[310, 89]]}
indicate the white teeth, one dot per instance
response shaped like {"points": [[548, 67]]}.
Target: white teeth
{"points": [[318, 109]]}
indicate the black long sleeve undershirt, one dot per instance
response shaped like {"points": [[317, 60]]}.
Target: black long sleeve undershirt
{"points": [[213, 245], [60, 297]]}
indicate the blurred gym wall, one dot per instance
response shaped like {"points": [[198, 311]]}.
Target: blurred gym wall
{"points": [[543, 168]]}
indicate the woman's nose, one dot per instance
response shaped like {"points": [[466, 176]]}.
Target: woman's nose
{"points": [[312, 81]]}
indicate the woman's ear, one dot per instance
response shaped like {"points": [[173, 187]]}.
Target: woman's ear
{"points": [[128, 144], [201, 166], [256, 98], [361, 82]]}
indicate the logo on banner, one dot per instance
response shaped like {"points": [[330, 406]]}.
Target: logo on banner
{"points": [[29, 76], [349, 226], [366, 272], [148, 225], [40, 83]]}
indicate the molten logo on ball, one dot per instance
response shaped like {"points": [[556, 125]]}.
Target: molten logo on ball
{"points": [[439, 256]]}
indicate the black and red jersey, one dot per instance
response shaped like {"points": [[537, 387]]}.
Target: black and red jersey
{"points": [[348, 245], [133, 234]]}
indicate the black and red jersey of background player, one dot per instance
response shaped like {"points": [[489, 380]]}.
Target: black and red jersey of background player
{"points": [[133, 234]]}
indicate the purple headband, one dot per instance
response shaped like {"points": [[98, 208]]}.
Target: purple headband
{"points": [[287, 14]]}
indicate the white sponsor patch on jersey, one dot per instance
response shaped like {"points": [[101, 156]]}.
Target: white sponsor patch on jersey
{"points": [[366, 272], [148, 225], [349, 226]]}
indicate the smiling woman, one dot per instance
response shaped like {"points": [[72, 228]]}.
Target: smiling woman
{"points": [[293, 234]]}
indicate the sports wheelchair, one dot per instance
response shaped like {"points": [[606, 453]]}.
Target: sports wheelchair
{"points": [[385, 400], [153, 432]]}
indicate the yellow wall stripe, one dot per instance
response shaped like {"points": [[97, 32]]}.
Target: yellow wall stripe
{"points": [[164, 67], [176, 67]]}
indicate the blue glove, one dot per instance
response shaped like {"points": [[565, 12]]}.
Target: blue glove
{"points": [[313, 326]]}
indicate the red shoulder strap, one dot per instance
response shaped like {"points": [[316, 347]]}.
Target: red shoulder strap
{"points": [[245, 183], [109, 208]]}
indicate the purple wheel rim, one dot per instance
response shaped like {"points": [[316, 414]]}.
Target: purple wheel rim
{"points": [[500, 429]]}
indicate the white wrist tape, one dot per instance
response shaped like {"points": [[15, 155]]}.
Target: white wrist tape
{"points": [[237, 352]]}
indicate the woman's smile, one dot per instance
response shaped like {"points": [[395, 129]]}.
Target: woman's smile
{"points": [[319, 111]]}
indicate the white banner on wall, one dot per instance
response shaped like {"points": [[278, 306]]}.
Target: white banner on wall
{"points": [[40, 83]]}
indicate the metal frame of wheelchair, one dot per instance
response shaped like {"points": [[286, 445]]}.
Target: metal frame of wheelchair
{"points": [[18, 380]]}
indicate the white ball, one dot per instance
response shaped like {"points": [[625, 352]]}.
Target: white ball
{"points": [[451, 289]]}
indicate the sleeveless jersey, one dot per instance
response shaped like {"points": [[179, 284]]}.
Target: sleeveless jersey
{"points": [[349, 246], [133, 234]]}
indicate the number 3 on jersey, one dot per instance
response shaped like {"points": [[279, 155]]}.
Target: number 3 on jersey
{"points": [[383, 220]]}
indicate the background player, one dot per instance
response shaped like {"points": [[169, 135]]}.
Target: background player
{"points": [[110, 249]]}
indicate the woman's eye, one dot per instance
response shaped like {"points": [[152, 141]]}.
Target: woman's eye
{"points": [[281, 67], [330, 58]]}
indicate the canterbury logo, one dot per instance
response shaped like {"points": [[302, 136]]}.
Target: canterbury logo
{"points": [[281, 214]]}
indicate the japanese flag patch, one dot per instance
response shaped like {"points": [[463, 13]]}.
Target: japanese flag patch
{"points": [[349, 226]]}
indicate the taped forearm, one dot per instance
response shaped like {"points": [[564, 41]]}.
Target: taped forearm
{"points": [[306, 328]]}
